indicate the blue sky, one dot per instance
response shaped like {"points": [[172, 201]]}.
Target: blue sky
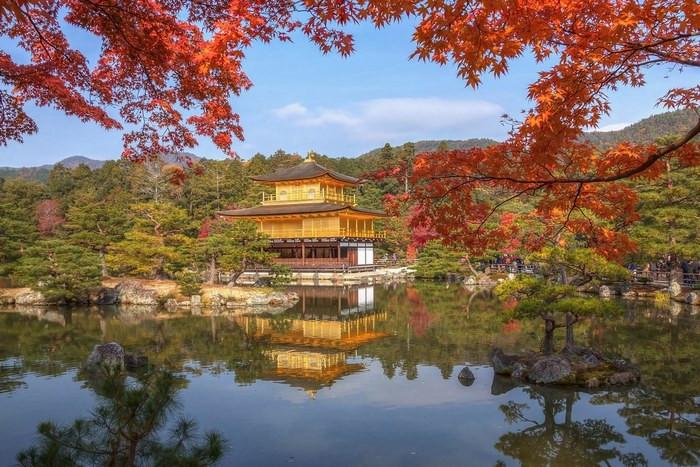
{"points": [[304, 100]]}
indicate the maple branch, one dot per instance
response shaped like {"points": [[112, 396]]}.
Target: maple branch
{"points": [[650, 160], [503, 202]]}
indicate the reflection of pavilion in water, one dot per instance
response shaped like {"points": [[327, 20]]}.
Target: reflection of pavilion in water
{"points": [[312, 342]]}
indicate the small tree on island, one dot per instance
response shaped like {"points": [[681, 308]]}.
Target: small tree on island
{"points": [[556, 304], [60, 271]]}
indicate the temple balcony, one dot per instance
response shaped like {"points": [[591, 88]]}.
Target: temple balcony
{"points": [[311, 196], [323, 233]]}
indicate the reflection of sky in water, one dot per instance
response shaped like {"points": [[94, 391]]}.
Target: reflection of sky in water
{"points": [[361, 418]]}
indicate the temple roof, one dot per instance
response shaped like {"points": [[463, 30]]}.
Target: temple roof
{"points": [[300, 208], [305, 170]]}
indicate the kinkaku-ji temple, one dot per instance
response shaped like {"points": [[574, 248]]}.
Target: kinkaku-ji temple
{"points": [[313, 218], [310, 350]]}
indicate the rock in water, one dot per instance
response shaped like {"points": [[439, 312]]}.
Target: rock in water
{"points": [[550, 369], [108, 356], [503, 363], [605, 291], [693, 298], [466, 377]]}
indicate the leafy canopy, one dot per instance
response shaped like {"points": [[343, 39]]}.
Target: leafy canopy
{"points": [[537, 298], [436, 261], [167, 71], [59, 270]]}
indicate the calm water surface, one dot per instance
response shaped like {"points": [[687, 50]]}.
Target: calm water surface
{"points": [[368, 376]]}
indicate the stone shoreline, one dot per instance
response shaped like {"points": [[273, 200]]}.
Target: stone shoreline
{"points": [[163, 293]]}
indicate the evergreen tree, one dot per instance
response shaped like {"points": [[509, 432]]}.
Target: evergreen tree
{"points": [[557, 305], [436, 261], [669, 211], [59, 270], [125, 430], [96, 223], [18, 229], [158, 243], [214, 185], [234, 247]]}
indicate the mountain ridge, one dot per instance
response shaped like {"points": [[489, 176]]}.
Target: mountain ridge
{"points": [[645, 131]]}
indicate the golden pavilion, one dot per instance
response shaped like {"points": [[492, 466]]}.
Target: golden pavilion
{"points": [[313, 218]]}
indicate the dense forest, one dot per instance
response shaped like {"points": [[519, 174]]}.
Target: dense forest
{"points": [[156, 219]]}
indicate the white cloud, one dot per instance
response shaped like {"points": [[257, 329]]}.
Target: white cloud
{"points": [[394, 118], [294, 109], [614, 126]]}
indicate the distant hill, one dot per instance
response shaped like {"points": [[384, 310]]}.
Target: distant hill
{"points": [[74, 161], [646, 131], [41, 173], [431, 145]]}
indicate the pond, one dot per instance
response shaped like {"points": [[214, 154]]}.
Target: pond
{"points": [[369, 376]]}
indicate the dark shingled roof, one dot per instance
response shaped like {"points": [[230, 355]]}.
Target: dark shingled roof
{"points": [[300, 208], [305, 170]]}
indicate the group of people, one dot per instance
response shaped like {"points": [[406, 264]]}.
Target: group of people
{"points": [[665, 268]]}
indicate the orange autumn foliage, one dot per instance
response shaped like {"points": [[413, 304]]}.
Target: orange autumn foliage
{"points": [[166, 71]]}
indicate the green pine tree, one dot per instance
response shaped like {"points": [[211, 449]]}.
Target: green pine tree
{"points": [[157, 245], [60, 271]]}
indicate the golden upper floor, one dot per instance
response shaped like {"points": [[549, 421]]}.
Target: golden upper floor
{"points": [[308, 182], [309, 201]]}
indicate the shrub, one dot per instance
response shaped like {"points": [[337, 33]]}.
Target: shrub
{"points": [[190, 282]]}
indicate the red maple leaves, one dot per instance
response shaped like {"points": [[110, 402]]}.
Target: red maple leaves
{"points": [[166, 72]]}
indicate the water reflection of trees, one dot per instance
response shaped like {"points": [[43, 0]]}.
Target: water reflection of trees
{"points": [[426, 323], [555, 438], [126, 427], [665, 409], [442, 326]]}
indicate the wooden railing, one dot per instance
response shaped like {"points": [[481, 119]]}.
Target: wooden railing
{"points": [[665, 277], [301, 196], [315, 233]]}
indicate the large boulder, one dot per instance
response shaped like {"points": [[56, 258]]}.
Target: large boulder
{"points": [[550, 369], [675, 289], [503, 364], [108, 357], [133, 293], [7, 300], [103, 296], [693, 298], [31, 298]]}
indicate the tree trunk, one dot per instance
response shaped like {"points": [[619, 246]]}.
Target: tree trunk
{"points": [[235, 277], [133, 445], [103, 263], [212, 270], [570, 321], [548, 342], [469, 265], [564, 276]]}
